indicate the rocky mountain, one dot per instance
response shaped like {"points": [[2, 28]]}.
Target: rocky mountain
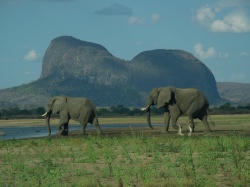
{"points": [[79, 68]]}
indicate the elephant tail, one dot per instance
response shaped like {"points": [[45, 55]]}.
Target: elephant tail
{"points": [[212, 122], [96, 118]]}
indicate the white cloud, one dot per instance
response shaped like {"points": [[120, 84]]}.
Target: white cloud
{"points": [[204, 54], [236, 21], [155, 17], [31, 56], [209, 53], [205, 14], [134, 20]]}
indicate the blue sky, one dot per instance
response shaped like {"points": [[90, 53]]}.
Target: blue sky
{"points": [[216, 31]]}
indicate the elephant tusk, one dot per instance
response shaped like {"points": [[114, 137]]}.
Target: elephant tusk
{"points": [[143, 109], [45, 114]]}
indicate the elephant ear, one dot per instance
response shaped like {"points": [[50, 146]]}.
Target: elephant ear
{"points": [[164, 97], [59, 104]]}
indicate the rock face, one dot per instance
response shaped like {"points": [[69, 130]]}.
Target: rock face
{"points": [[158, 68], [67, 57], [79, 68]]}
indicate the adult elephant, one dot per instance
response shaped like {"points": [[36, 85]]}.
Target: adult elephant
{"points": [[77, 108], [177, 101]]}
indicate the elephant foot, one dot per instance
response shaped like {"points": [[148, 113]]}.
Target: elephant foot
{"points": [[65, 132], [180, 133], [190, 131]]}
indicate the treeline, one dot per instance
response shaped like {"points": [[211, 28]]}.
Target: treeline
{"points": [[119, 110], [228, 108], [15, 112]]}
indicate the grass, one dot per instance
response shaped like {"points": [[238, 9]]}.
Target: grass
{"points": [[132, 159]]}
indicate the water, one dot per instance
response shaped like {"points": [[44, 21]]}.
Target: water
{"points": [[41, 131]]}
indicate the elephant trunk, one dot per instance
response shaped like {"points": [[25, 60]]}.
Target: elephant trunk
{"points": [[148, 118], [47, 114]]}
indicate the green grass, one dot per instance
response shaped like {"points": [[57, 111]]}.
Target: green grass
{"points": [[221, 158], [128, 161]]}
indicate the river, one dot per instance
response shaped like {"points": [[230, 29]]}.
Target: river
{"points": [[41, 131]]}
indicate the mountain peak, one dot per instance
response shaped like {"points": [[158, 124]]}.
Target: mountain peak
{"points": [[71, 41], [67, 56]]}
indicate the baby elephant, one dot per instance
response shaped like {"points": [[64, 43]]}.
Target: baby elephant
{"points": [[76, 108]]}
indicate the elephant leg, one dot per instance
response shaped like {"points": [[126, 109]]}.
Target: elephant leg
{"points": [[84, 125], [166, 122], [174, 123], [65, 130], [191, 125], [205, 123], [84, 119], [179, 130], [64, 121]]}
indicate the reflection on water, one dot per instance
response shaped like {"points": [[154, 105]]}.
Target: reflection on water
{"points": [[28, 132]]}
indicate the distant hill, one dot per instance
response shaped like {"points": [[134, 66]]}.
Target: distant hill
{"points": [[237, 93], [79, 68]]}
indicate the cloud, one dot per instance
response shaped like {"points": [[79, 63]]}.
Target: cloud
{"points": [[205, 14], [134, 20], [115, 9], [200, 52], [31, 56], [209, 53], [236, 23], [155, 17], [233, 18]]}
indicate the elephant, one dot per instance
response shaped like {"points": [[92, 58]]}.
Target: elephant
{"points": [[176, 102], [77, 108]]}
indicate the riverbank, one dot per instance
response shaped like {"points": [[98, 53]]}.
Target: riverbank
{"points": [[225, 124]]}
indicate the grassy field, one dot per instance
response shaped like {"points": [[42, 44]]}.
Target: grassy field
{"points": [[132, 156]]}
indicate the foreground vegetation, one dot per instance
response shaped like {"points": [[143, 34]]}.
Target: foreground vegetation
{"points": [[134, 158]]}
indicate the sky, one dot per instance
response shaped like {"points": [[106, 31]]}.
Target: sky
{"points": [[217, 32]]}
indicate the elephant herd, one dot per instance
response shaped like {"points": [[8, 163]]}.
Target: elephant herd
{"points": [[174, 101]]}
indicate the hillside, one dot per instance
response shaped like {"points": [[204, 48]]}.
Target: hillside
{"points": [[237, 93], [79, 68]]}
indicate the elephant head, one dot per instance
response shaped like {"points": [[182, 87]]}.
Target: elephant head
{"points": [[159, 97], [55, 105]]}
